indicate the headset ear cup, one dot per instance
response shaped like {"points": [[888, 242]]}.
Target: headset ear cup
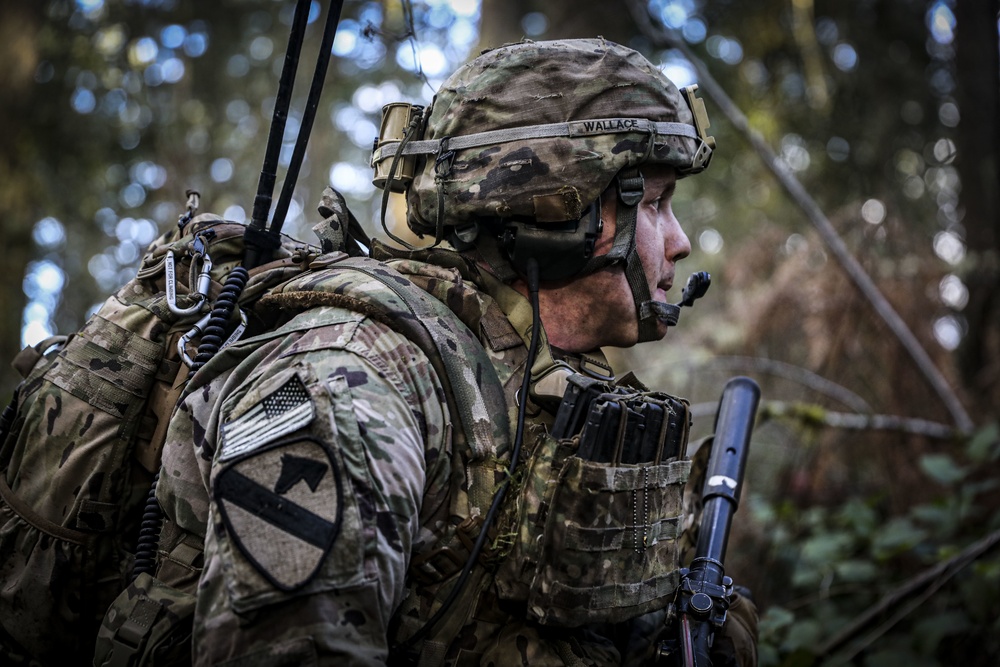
{"points": [[562, 250]]}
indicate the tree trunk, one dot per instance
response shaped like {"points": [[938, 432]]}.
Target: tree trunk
{"points": [[978, 143], [502, 21], [19, 187]]}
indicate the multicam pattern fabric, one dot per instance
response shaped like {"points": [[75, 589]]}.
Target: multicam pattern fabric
{"points": [[372, 426], [313, 532], [610, 549], [536, 83], [381, 419], [380, 416], [152, 617], [79, 459]]}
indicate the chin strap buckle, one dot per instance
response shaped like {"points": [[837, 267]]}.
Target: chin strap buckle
{"points": [[630, 186], [670, 313]]}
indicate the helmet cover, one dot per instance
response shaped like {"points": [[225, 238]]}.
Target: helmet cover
{"points": [[607, 97]]}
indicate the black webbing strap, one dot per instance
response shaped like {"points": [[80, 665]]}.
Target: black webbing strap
{"points": [[630, 191]]}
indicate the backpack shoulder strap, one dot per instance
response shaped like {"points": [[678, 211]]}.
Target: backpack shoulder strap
{"points": [[473, 390]]}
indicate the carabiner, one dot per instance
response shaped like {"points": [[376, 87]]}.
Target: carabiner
{"points": [[186, 338], [203, 280], [237, 332], [199, 328]]}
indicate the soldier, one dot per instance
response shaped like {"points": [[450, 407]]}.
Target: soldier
{"points": [[370, 481]]}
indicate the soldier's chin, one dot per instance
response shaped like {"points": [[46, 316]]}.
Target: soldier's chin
{"points": [[661, 329], [633, 338], [659, 334]]}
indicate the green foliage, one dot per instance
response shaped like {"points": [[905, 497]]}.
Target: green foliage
{"points": [[837, 563], [942, 469], [985, 445]]}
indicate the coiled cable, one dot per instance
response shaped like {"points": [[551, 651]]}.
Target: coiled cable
{"points": [[222, 310], [258, 239], [149, 534]]}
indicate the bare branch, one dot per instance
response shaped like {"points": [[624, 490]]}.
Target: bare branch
{"points": [[809, 414], [932, 578], [802, 376], [667, 39]]}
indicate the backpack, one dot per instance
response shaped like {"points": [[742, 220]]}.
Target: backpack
{"points": [[150, 623], [80, 442]]}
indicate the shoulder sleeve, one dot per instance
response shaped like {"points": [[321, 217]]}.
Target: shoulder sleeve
{"points": [[316, 497]]}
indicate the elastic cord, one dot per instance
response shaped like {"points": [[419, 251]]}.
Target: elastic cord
{"points": [[411, 130], [442, 167]]}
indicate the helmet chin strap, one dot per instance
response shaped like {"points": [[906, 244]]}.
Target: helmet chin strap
{"points": [[624, 250], [649, 313], [522, 241]]}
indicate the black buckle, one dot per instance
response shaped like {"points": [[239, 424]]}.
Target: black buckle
{"points": [[630, 188], [437, 566], [445, 158]]}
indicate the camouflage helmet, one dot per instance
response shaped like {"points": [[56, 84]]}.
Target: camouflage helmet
{"points": [[538, 130], [523, 141]]}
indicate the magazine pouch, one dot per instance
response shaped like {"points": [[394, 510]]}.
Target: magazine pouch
{"points": [[597, 537]]}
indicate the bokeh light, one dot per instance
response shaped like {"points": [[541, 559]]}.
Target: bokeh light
{"points": [[953, 292], [941, 22], [949, 247], [873, 211], [710, 241]]}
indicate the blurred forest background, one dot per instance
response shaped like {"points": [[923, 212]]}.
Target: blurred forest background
{"points": [[872, 510]]}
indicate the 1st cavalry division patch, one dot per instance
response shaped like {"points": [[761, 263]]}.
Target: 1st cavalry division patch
{"points": [[282, 506]]}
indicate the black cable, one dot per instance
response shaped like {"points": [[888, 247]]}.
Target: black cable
{"points": [[259, 240], [532, 276], [308, 117], [258, 243], [222, 310], [408, 134], [149, 534], [269, 170]]}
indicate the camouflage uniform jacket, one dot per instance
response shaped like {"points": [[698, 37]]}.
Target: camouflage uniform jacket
{"points": [[316, 464]]}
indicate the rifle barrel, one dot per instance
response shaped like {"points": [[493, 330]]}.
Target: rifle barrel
{"points": [[724, 479], [705, 586]]}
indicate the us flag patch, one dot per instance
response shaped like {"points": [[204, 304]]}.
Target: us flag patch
{"points": [[281, 412]]}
